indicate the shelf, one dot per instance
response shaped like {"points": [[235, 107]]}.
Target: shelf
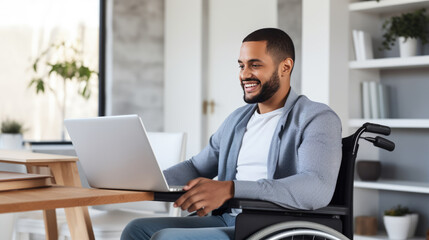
{"points": [[386, 63], [394, 185], [381, 236], [388, 6], [393, 123]]}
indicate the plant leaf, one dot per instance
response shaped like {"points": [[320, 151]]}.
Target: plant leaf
{"points": [[40, 87]]}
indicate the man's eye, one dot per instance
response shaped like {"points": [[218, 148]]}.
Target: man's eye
{"points": [[241, 66], [255, 65]]}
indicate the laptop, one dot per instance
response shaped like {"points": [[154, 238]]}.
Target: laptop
{"points": [[115, 153]]}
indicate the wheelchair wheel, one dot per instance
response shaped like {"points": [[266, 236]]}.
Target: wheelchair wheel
{"points": [[298, 230]]}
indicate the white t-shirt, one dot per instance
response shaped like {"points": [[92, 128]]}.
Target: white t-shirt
{"points": [[253, 155]]}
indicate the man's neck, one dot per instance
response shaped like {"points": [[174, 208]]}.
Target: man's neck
{"points": [[277, 101]]}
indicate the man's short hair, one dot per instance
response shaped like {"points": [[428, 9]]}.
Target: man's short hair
{"points": [[279, 44]]}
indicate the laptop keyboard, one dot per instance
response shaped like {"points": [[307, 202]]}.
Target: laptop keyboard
{"points": [[175, 188]]}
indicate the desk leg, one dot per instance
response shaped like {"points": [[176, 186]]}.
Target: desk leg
{"points": [[49, 216], [79, 222], [51, 227]]}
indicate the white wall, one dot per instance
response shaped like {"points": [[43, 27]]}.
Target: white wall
{"points": [[183, 70], [325, 54]]}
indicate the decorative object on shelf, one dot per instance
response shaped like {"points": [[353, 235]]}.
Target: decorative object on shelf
{"points": [[11, 134], [411, 27], [368, 170], [400, 223], [366, 225], [408, 47], [414, 220], [64, 62]]}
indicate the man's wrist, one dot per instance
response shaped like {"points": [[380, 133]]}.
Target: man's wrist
{"points": [[230, 188]]}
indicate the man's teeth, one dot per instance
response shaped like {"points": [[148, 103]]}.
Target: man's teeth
{"points": [[250, 85]]}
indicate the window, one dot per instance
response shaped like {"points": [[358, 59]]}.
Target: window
{"points": [[27, 28]]}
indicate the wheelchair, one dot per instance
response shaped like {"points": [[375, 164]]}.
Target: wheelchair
{"points": [[266, 220]]}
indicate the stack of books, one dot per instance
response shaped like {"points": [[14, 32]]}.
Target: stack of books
{"points": [[363, 45], [375, 100], [14, 181]]}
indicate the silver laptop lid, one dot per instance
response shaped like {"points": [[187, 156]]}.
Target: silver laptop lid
{"points": [[115, 153]]}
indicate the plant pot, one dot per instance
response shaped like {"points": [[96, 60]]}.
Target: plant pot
{"points": [[10, 141], [413, 225], [409, 47], [368, 170], [397, 227]]}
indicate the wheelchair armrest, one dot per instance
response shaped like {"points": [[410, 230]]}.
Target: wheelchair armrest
{"points": [[258, 205], [167, 196]]}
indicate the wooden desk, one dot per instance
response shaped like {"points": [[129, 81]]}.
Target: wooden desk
{"points": [[65, 197], [65, 173]]}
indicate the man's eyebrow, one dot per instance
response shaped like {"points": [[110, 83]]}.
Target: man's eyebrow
{"points": [[251, 60]]}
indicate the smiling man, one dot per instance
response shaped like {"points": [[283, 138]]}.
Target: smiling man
{"points": [[280, 147]]}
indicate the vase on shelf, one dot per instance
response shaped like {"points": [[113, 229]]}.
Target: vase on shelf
{"points": [[368, 170], [414, 218], [408, 47], [397, 227]]}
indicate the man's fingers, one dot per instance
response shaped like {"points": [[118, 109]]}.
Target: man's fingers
{"points": [[185, 197], [192, 183], [192, 200], [197, 206], [189, 192], [203, 211], [204, 195]]}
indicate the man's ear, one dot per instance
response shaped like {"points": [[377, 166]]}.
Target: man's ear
{"points": [[286, 66]]}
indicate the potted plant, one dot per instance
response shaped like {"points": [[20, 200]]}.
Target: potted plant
{"points": [[414, 220], [400, 223], [408, 28], [63, 62], [11, 134]]}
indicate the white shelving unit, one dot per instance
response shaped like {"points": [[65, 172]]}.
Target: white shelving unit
{"points": [[368, 16], [387, 63], [380, 236], [395, 185], [393, 123], [386, 6]]}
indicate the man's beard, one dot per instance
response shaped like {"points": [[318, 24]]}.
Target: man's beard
{"points": [[268, 89]]}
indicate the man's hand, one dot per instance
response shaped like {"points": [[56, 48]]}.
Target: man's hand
{"points": [[204, 195]]}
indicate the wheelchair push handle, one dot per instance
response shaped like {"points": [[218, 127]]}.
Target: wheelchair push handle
{"points": [[381, 143], [377, 128], [377, 141]]}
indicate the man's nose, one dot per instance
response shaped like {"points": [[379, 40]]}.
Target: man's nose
{"points": [[245, 73]]}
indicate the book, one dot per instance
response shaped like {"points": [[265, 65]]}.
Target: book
{"points": [[383, 101], [358, 54], [365, 45], [14, 181], [362, 43], [366, 107], [373, 97]]}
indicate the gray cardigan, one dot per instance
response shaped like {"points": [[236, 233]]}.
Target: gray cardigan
{"points": [[303, 161]]}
